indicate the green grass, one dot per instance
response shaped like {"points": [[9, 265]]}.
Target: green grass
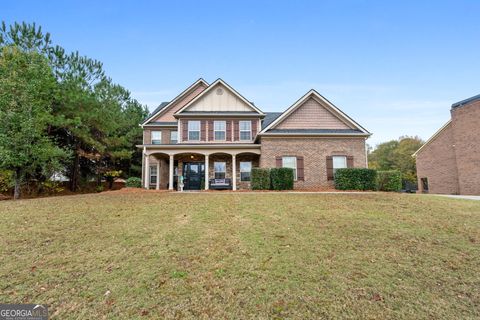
{"points": [[243, 256]]}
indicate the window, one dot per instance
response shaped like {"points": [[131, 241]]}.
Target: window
{"points": [[173, 136], [424, 184], [290, 162], [153, 174], [245, 169], [245, 130], [220, 169], [339, 162], [194, 130], [219, 128], [156, 137]]}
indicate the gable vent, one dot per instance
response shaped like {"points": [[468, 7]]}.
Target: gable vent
{"points": [[219, 91]]}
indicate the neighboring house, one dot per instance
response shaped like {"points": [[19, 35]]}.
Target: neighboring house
{"points": [[212, 137], [449, 162]]}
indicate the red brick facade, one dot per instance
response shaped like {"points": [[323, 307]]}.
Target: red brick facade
{"points": [[450, 161], [314, 151]]}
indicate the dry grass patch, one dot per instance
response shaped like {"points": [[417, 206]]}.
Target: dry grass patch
{"points": [[241, 256]]}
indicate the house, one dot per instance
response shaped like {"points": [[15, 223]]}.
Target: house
{"points": [[449, 162], [210, 137]]}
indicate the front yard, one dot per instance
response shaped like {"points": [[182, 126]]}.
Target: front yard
{"points": [[242, 256]]}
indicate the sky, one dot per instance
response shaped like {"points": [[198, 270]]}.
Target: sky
{"points": [[393, 66]]}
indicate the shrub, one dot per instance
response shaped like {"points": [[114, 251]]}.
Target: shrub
{"points": [[99, 188], [6, 181], [282, 178], [51, 187], [133, 182], [355, 179], [389, 180], [260, 179]]}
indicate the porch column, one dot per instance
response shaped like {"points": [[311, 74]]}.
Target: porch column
{"points": [[157, 187], [147, 169], [206, 172], [234, 172], [170, 173]]}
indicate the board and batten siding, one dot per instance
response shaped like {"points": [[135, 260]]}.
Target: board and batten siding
{"points": [[219, 99]]}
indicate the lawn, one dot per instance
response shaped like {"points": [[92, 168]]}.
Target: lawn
{"points": [[128, 255]]}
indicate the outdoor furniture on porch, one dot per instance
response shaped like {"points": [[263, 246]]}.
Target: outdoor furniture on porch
{"points": [[220, 184]]}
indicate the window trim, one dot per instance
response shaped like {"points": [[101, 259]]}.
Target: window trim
{"points": [[189, 130], [333, 162], [249, 130], [250, 172], [160, 136], [150, 174], [224, 130], [171, 132], [215, 169], [295, 170]]}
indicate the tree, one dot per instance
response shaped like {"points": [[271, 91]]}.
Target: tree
{"points": [[27, 88], [396, 155], [92, 117]]}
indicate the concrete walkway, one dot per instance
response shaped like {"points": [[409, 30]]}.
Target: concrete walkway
{"points": [[459, 197]]}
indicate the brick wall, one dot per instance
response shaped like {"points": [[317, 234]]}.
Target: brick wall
{"points": [[466, 137], [436, 162], [314, 151]]}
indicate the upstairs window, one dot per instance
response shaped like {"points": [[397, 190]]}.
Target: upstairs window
{"points": [[339, 162], [194, 130], [156, 137], [290, 162], [219, 129], [173, 136], [245, 130]]}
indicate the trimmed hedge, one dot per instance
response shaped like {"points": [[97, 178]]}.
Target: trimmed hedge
{"points": [[389, 180], [260, 179], [355, 179], [133, 182], [282, 178]]}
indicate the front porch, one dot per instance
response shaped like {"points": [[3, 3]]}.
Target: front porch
{"points": [[199, 167]]}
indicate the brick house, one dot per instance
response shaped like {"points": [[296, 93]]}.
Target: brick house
{"points": [[449, 162], [210, 137]]}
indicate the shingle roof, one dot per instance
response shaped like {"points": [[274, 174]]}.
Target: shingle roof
{"points": [[162, 123], [466, 101], [160, 107], [269, 118], [319, 131]]}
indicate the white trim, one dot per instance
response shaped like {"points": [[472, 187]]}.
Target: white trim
{"points": [[295, 178], [175, 100], [210, 87], [341, 115], [315, 134], [151, 136], [432, 137], [240, 130]]}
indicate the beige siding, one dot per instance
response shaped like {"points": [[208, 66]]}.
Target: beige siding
{"points": [[312, 115], [214, 101], [168, 114]]}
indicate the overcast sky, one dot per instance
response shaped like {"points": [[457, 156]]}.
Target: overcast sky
{"points": [[395, 67]]}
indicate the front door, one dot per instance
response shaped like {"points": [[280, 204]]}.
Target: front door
{"points": [[193, 175]]}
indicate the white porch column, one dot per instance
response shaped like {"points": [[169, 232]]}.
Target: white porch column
{"points": [[157, 187], [147, 169], [206, 171], [234, 172], [170, 173]]}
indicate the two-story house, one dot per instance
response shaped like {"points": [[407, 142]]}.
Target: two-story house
{"points": [[210, 136]]}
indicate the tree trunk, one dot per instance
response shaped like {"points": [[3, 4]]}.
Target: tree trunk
{"points": [[75, 170], [16, 192]]}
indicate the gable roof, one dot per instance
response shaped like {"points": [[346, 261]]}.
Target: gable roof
{"points": [[466, 101], [432, 137], [164, 105], [312, 93], [270, 117], [209, 89]]}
